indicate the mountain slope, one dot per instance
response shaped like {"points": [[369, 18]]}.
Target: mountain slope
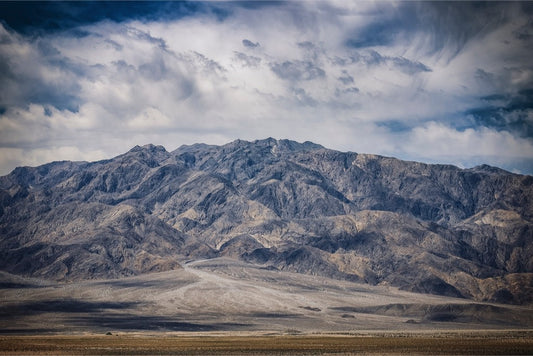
{"points": [[282, 204]]}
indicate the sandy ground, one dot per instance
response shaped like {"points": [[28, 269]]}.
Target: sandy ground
{"points": [[224, 296]]}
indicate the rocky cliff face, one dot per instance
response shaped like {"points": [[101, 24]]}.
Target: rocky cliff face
{"points": [[286, 205]]}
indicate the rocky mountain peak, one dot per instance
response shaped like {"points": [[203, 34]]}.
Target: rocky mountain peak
{"points": [[279, 204], [148, 147], [149, 154], [489, 169], [284, 145]]}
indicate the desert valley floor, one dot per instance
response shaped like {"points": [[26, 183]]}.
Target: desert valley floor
{"points": [[211, 303], [221, 294]]}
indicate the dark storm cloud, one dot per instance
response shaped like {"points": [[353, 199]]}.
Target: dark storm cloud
{"points": [[450, 25], [297, 70], [387, 26], [508, 80], [525, 33], [32, 16], [308, 45], [455, 24], [23, 79], [507, 112], [394, 125], [510, 107], [250, 44]]}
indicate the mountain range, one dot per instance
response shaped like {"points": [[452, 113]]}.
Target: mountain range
{"points": [[279, 205]]}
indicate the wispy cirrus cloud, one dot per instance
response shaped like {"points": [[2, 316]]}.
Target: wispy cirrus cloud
{"points": [[439, 82]]}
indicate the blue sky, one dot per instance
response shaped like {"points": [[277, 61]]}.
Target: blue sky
{"points": [[438, 82]]}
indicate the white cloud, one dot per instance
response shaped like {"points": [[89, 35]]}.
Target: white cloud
{"points": [[38, 156], [438, 143], [150, 119]]}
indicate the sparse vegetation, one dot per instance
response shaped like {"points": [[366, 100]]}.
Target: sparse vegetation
{"points": [[500, 343]]}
